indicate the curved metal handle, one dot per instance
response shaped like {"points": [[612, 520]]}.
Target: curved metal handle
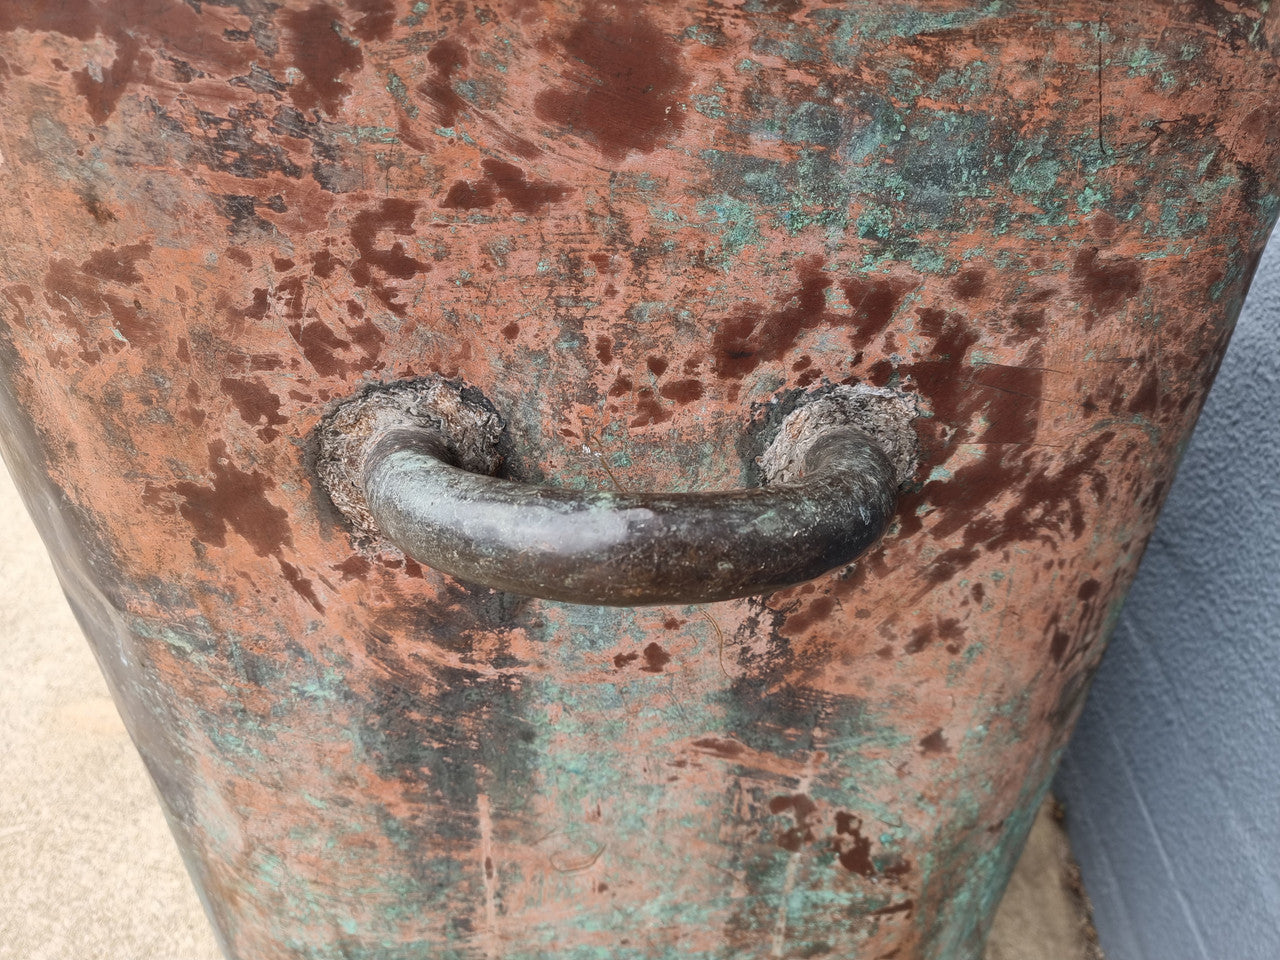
{"points": [[618, 549]]}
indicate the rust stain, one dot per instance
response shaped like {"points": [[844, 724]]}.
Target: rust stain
{"points": [[655, 658], [235, 499], [446, 56], [621, 85], [322, 55], [752, 335], [503, 181], [376, 265]]}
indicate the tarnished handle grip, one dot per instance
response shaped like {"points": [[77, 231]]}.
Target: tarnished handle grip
{"points": [[410, 462], [618, 549]]}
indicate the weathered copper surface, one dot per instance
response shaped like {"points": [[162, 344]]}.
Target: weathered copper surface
{"points": [[625, 224]]}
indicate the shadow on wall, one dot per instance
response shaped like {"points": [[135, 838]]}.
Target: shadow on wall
{"points": [[1172, 782]]}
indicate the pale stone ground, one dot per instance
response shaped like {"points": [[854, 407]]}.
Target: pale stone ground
{"points": [[88, 870]]}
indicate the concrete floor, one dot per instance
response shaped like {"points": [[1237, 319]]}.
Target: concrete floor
{"points": [[88, 870]]}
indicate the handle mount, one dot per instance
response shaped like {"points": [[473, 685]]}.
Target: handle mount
{"points": [[411, 463]]}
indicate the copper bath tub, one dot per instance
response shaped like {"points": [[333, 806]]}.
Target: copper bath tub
{"points": [[639, 236]]}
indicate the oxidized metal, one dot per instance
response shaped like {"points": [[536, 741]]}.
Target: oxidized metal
{"points": [[624, 224]]}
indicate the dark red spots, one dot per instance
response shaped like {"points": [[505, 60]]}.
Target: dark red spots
{"points": [[604, 350], [648, 409], [655, 658], [354, 567], [792, 839], [117, 264], [525, 195], [1058, 645], [951, 337], [906, 906], [394, 216], [1103, 224], [236, 255], [1147, 399], [467, 195], [728, 749], [366, 337], [947, 629], [969, 284], [874, 303], [300, 584], [256, 404], [852, 849], [1106, 283], [256, 310], [621, 85], [235, 499], [103, 92], [671, 623], [131, 323], [752, 336], [1088, 590], [921, 637], [71, 18], [100, 318], [511, 331], [292, 297], [377, 18], [322, 55], [193, 411], [657, 366], [323, 263], [995, 409], [801, 804], [446, 56], [682, 391], [950, 631], [802, 808], [1059, 496], [1027, 323], [505, 181], [321, 347], [131, 26], [817, 611], [935, 743]]}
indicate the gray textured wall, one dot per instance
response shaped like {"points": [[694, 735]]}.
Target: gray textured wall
{"points": [[1172, 783]]}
